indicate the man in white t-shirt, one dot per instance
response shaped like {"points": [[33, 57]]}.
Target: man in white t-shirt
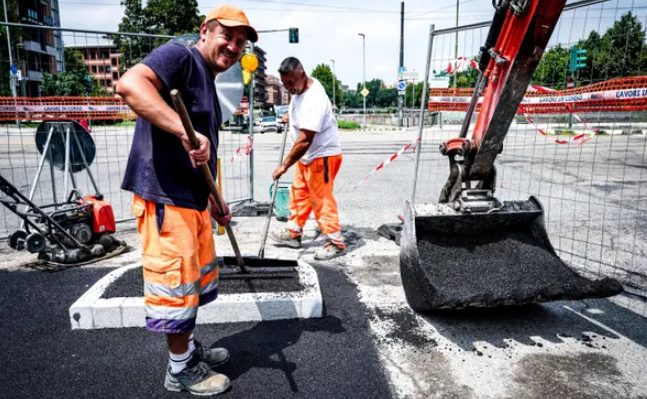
{"points": [[317, 155]]}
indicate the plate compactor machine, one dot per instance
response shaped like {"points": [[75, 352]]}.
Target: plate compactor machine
{"points": [[473, 250], [76, 232]]}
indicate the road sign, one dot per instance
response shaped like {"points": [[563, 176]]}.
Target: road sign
{"points": [[439, 82], [408, 75], [401, 85], [14, 69], [364, 92], [570, 83]]}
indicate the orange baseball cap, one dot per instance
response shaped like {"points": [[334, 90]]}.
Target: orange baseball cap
{"points": [[232, 16]]}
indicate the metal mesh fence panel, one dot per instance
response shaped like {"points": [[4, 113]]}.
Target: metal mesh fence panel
{"points": [[105, 58], [584, 161]]}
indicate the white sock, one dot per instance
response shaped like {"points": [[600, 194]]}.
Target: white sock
{"points": [[191, 344], [179, 361], [293, 226]]}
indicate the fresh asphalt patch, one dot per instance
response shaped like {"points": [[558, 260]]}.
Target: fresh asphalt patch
{"points": [[131, 284], [329, 357]]}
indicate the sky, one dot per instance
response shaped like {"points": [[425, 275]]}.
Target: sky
{"points": [[328, 30]]}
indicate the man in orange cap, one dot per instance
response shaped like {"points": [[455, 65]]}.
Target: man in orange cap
{"points": [[171, 194]]}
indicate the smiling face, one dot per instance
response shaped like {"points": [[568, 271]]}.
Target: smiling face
{"points": [[296, 81], [221, 46]]}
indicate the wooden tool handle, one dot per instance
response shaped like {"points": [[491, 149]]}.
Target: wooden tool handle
{"points": [[176, 97]]}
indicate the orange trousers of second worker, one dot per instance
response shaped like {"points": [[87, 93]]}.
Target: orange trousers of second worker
{"points": [[312, 190]]}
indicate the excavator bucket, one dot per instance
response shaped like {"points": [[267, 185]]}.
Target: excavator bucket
{"points": [[456, 260]]}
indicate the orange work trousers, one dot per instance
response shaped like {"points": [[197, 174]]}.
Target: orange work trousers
{"points": [[312, 190], [179, 262]]}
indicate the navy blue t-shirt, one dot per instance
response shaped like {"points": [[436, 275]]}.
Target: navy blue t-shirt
{"points": [[159, 168]]}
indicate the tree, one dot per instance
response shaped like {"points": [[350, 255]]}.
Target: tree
{"points": [[73, 59], [324, 75], [352, 100], [73, 82], [413, 94], [160, 17], [170, 17], [619, 52], [386, 98], [374, 86], [552, 70]]}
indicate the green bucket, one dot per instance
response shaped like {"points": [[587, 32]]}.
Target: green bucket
{"points": [[282, 203]]}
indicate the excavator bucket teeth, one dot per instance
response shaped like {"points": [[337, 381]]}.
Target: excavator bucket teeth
{"points": [[451, 260]]}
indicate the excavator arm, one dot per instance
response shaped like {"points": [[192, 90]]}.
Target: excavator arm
{"points": [[516, 42], [470, 249]]}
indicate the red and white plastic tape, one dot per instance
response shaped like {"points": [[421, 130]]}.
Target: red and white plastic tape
{"points": [[460, 64], [244, 149], [412, 146], [584, 137]]}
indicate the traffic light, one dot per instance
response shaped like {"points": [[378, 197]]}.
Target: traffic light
{"points": [[294, 35], [577, 59]]}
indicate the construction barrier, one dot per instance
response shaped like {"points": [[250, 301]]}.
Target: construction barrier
{"points": [[615, 95], [64, 108]]}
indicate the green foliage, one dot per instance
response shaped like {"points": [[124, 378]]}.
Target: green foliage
{"points": [[348, 124], [379, 96], [465, 79], [412, 95], [73, 59], [160, 17], [619, 52], [74, 82], [553, 69], [352, 100], [324, 74], [386, 98]]}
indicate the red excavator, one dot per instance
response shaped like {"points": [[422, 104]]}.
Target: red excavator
{"points": [[474, 250]]}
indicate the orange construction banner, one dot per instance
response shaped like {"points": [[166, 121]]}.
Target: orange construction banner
{"points": [[615, 95], [64, 108]]}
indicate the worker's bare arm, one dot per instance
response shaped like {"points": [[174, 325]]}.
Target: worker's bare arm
{"points": [[140, 88]]}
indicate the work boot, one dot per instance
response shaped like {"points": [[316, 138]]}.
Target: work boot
{"points": [[213, 357], [197, 378], [286, 238], [331, 249]]}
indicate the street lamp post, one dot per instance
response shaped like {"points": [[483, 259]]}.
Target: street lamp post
{"points": [[12, 82], [334, 83], [364, 71]]}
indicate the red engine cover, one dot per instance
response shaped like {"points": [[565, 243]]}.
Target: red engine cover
{"points": [[104, 219]]}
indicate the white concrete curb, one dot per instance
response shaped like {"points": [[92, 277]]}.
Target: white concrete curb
{"points": [[91, 311]]}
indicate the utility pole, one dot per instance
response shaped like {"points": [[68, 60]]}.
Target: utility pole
{"points": [[12, 85], [334, 83], [364, 73], [401, 96], [456, 40]]}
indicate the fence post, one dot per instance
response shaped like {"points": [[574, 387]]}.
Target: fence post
{"points": [[421, 122], [251, 128]]}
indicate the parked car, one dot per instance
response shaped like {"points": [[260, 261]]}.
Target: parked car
{"points": [[269, 123], [280, 111]]}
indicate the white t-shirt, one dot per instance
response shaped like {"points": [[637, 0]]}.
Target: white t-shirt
{"points": [[312, 111]]}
